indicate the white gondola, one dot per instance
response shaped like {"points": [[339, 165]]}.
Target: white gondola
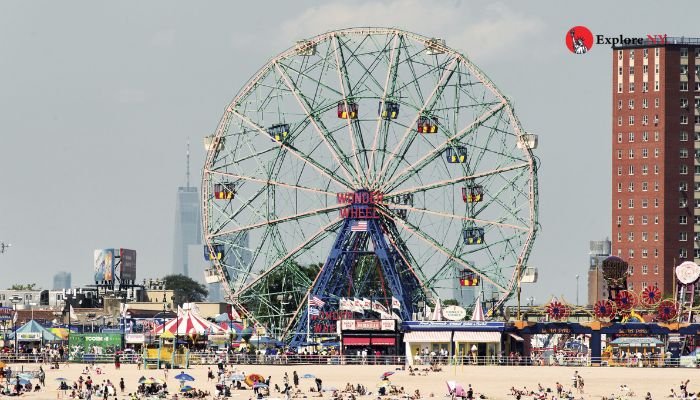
{"points": [[211, 276], [528, 141], [306, 48], [435, 46], [529, 275]]}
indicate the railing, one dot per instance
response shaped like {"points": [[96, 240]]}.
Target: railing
{"points": [[419, 362]]}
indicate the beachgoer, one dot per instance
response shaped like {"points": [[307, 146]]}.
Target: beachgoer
{"points": [[295, 378]]}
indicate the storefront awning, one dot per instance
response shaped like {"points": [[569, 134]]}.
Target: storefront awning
{"points": [[383, 341], [356, 341], [477, 337], [516, 337], [427, 337]]}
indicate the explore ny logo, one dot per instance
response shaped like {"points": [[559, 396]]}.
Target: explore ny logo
{"points": [[580, 40]]}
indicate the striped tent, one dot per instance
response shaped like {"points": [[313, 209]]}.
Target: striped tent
{"points": [[188, 323]]}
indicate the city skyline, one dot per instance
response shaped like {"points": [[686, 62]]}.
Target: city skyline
{"points": [[116, 105]]}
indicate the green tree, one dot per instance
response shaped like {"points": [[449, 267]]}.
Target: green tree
{"points": [[185, 288], [19, 286]]}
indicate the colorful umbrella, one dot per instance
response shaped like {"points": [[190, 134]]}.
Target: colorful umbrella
{"points": [[387, 373], [252, 378], [259, 385], [23, 382], [184, 377], [186, 388], [308, 376], [142, 380], [236, 377], [61, 379]]}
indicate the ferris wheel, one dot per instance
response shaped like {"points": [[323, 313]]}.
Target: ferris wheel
{"points": [[367, 162]]}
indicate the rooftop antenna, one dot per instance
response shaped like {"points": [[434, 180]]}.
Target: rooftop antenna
{"points": [[4, 246], [188, 163]]}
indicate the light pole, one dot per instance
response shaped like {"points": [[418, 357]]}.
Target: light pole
{"points": [[576, 289], [15, 300]]}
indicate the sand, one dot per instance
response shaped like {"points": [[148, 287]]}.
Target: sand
{"points": [[493, 381]]}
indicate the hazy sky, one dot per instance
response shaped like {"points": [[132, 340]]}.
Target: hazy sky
{"points": [[98, 98]]}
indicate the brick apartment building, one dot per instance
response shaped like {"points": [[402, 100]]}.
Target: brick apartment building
{"points": [[656, 158]]}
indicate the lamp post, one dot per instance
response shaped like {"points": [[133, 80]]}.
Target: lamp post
{"points": [[577, 289], [15, 300]]}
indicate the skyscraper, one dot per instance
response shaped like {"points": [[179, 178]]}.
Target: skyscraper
{"points": [[62, 280], [656, 148], [597, 288], [188, 228]]}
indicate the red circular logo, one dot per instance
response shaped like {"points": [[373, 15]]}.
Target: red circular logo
{"points": [[579, 39]]}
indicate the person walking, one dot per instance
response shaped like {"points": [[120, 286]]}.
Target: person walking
{"points": [[122, 385], [470, 393], [295, 378]]}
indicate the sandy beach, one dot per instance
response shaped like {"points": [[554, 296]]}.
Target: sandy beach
{"points": [[492, 381]]}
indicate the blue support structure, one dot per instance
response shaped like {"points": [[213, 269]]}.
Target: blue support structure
{"points": [[335, 279]]}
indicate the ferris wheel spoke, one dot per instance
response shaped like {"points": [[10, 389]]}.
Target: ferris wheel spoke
{"points": [[402, 176], [401, 148], [418, 233], [453, 181], [320, 128], [304, 157], [245, 204], [390, 77], [314, 239], [355, 137], [281, 220], [458, 217], [272, 182]]}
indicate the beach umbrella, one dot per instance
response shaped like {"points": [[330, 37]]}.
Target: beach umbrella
{"points": [[259, 385], [61, 379], [2, 364], [329, 389], [23, 381], [149, 381], [184, 377], [236, 377], [308, 376], [142, 380], [186, 388], [386, 374], [158, 381], [252, 378], [25, 375]]}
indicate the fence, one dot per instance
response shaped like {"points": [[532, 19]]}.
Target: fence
{"points": [[210, 358]]}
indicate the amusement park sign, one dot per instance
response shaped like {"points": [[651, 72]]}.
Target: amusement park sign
{"points": [[454, 313], [688, 272]]}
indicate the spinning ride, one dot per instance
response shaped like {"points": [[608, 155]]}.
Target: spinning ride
{"points": [[366, 162]]}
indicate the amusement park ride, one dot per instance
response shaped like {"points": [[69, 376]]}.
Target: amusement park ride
{"points": [[384, 156]]}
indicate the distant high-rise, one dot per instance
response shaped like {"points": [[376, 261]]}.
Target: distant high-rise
{"points": [[188, 228], [61, 281], [597, 289]]}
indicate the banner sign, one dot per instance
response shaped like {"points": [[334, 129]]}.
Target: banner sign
{"points": [[454, 313], [94, 343], [28, 336], [6, 313], [127, 265], [104, 265], [367, 325]]}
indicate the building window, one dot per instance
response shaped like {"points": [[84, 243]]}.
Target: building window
{"points": [[619, 104], [696, 219], [656, 252], [645, 269], [619, 220], [646, 53], [656, 86], [683, 186], [697, 86], [631, 253], [645, 120], [697, 119], [645, 219], [619, 121], [645, 87], [656, 236], [644, 236], [645, 186], [631, 120], [645, 103], [619, 187], [657, 51], [630, 187], [683, 237], [630, 220], [630, 104], [696, 203], [683, 253], [656, 219], [645, 136], [631, 154], [656, 269], [619, 236], [619, 204], [632, 54], [684, 52], [656, 169], [630, 236], [631, 286], [683, 219], [684, 69], [630, 137], [630, 203], [645, 203], [684, 120], [631, 87], [656, 102], [697, 170], [645, 153], [684, 170], [656, 186], [619, 87], [645, 69], [619, 137], [656, 136], [619, 154], [682, 202], [683, 152], [684, 136], [645, 169], [656, 153], [631, 170], [619, 54], [631, 69], [631, 269], [656, 203], [619, 171], [684, 86], [684, 102]]}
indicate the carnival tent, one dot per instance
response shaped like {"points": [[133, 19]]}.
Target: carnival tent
{"points": [[188, 323], [34, 330]]}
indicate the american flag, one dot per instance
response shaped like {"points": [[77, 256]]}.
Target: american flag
{"points": [[359, 226], [313, 311], [316, 302]]}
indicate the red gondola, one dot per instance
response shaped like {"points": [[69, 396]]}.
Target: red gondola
{"points": [[427, 124], [473, 194], [347, 110], [224, 191]]}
